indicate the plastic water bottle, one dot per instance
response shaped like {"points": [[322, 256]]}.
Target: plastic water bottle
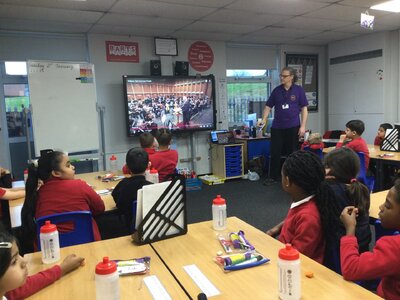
{"points": [[154, 176], [25, 175], [113, 164], [289, 273], [147, 174], [49, 243], [107, 280], [219, 213]]}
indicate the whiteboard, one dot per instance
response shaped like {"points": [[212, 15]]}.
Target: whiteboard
{"points": [[63, 102]]}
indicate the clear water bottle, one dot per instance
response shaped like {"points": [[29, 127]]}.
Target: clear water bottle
{"points": [[113, 164], [219, 213], [107, 280], [154, 176], [49, 243], [289, 273]]}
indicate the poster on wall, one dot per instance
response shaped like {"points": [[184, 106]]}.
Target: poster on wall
{"points": [[122, 51], [306, 66], [200, 56]]}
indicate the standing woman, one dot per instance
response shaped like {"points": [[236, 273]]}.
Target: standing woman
{"points": [[289, 101]]}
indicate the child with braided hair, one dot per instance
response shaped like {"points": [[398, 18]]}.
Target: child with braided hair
{"points": [[303, 177]]}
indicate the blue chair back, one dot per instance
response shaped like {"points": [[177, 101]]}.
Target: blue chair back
{"points": [[82, 232], [380, 231], [318, 152], [369, 181]]}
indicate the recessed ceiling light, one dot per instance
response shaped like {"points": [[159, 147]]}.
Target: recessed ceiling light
{"points": [[392, 6]]}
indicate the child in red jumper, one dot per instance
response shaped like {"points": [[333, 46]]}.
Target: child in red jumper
{"points": [[314, 142], [381, 133], [384, 260], [303, 177], [149, 143], [352, 139], [14, 280], [165, 159]]}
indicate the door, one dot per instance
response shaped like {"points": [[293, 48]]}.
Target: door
{"points": [[15, 120]]}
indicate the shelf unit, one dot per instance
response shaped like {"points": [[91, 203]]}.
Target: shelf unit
{"points": [[227, 160]]}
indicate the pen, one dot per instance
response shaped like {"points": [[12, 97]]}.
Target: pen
{"points": [[256, 261]]}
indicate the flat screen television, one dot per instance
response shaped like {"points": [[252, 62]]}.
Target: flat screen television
{"points": [[179, 103]]}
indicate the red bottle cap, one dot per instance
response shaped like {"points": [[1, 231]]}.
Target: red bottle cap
{"points": [[219, 200], [26, 171], [113, 157], [106, 267], [153, 171], [48, 227], [289, 253]]}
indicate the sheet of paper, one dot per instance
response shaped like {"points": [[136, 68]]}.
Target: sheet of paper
{"points": [[18, 184], [139, 207], [201, 281], [156, 288], [102, 192]]}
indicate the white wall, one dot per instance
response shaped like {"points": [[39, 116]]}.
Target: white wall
{"points": [[109, 94], [368, 98], [317, 121]]}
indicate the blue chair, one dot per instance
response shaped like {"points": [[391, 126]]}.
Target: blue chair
{"points": [[369, 181], [318, 152], [82, 232], [380, 231]]}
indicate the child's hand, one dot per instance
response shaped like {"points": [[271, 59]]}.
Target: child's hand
{"points": [[348, 218], [342, 138], [70, 263]]}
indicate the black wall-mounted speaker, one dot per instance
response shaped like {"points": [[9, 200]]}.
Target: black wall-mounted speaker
{"points": [[155, 67], [181, 68]]}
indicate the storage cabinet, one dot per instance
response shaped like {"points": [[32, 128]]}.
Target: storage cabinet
{"points": [[255, 147], [227, 160]]}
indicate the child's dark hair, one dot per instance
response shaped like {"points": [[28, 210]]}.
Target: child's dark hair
{"points": [[47, 163], [6, 240], [137, 160], [305, 170], [344, 165], [396, 186], [356, 125], [164, 137], [146, 140], [386, 126]]}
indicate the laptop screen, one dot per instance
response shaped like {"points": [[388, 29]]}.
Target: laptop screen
{"points": [[214, 135]]}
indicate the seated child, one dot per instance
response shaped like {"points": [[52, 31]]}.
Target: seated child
{"points": [[6, 192], [60, 193], [303, 177], [314, 142], [148, 143], [165, 159], [342, 166], [352, 139], [384, 261], [125, 192], [381, 133], [14, 280]]}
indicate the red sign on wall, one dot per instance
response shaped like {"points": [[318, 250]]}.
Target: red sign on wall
{"points": [[200, 56], [122, 51]]}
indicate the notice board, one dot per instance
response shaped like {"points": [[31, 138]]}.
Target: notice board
{"points": [[63, 104], [306, 66]]}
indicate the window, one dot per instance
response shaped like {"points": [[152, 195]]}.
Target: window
{"points": [[248, 91], [16, 68]]}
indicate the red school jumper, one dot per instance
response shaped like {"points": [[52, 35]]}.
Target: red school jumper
{"points": [[303, 229], [35, 283], [63, 195], [164, 162], [358, 145], [383, 261]]}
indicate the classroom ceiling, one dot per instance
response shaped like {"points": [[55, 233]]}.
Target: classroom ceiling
{"points": [[305, 22]]}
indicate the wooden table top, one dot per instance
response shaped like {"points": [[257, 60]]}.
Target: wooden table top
{"points": [[200, 245], [80, 284], [377, 199], [90, 178], [375, 153]]}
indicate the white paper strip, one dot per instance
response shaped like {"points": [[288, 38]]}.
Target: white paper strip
{"points": [[156, 288], [201, 281]]}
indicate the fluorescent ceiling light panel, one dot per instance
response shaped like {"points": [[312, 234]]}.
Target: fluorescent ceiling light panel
{"points": [[392, 6]]}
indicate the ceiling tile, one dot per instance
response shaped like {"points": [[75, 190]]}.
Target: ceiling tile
{"points": [[282, 7], [48, 14], [221, 27], [142, 21], [287, 32], [244, 17], [332, 36], [307, 41], [260, 39], [388, 20], [361, 3], [206, 3], [160, 9], [357, 29], [90, 5], [313, 23]]}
